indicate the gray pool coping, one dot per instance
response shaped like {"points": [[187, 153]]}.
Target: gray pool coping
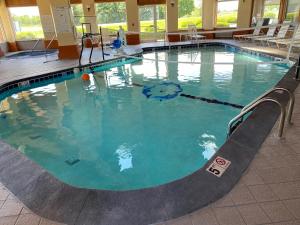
{"points": [[50, 198]]}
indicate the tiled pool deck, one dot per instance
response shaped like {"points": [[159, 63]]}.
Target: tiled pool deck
{"points": [[268, 193]]}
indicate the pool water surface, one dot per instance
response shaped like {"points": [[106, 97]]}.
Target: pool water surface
{"points": [[138, 125]]}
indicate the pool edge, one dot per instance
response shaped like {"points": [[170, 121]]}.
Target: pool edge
{"points": [[34, 186]]}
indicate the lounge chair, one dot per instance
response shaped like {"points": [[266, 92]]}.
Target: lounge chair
{"points": [[287, 42], [280, 35], [270, 33], [193, 34], [255, 33]]}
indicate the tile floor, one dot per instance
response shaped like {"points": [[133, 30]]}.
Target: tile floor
{"points": [[268, 193]]}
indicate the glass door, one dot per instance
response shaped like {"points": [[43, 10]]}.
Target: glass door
{"points": [[152, 22]]}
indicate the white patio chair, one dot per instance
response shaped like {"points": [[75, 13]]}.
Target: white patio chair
{"points": [[287, 42], [256, 32]]}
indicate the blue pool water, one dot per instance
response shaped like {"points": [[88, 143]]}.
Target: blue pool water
{"points": [[138, 125]]}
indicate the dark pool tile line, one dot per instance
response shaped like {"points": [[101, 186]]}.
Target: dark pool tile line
{"points": [[212, 101]]}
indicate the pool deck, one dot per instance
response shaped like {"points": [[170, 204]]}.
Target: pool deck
{"points": [[268, 193]]}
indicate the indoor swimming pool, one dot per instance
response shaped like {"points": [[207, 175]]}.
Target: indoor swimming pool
{"points": [[140, 124]]}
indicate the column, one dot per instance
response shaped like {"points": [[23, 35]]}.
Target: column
{"points": [[47, 23], [172, 19], [209, 12], [133, 22], [244, 13], [8, 27], [65, 29], [89, 13], [258, 8]]}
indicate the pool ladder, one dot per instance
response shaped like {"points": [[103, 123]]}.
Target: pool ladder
{"points": [[234, 123]]}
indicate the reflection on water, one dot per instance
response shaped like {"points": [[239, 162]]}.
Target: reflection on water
{"points": [[121, 139], [125, 157], [208, 142]]}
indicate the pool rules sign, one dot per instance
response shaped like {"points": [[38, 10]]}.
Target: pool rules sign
{"points": [[218, 166]]}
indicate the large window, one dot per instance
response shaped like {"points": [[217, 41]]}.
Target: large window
{"points": [[189, 13], [26, 22], [111, 15], [152, 22], [271, 9], [227, 11], [293, 10], [77, 11]]}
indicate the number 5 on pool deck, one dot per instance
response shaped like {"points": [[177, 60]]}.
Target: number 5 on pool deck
{"points": [[218, 166]]}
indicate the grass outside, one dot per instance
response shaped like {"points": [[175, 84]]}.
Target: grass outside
{"points": [[224, 20]]}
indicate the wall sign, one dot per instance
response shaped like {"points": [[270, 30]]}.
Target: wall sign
{"points": [[218, 166]]}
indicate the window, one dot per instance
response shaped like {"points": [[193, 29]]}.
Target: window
{"points": [[152, 22], [227, 11], [271, 9], [189, 13], [77, 11], [111, 15], [293, 10], [27, 22]]}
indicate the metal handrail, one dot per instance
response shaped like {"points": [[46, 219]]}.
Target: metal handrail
{"points": [[34, 46], [48, 46], [253, 106], [291, 101]]}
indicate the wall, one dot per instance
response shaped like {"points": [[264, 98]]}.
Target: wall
{"points": [[244, 13]]}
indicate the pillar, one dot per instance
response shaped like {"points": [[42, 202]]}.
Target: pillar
{"points": [[8, 27], [47, 23], [244, 13], [133, 22], [209, 13], [172, 19], [258, 8], [65, 29], [89, 12]]}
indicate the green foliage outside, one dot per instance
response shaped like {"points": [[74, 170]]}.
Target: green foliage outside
{"points": [[291, 16], [271, 11], [226, 19]]}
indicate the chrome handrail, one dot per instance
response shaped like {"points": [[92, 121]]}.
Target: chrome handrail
{"points": [[48, 46], [34, 46], [253, 106], [291, 101]]}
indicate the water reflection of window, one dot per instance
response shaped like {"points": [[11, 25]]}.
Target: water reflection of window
{"points": [[116, 77], [41, 91], [223, 72], [189, 71], [152, 69], [208, 143], [124, 157]]}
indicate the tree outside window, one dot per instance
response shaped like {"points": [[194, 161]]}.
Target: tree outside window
{"points": [[111, 15], [293, 10], [189, 13], [271, 9], [27, 22], [227, 11], [78, 16]]}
